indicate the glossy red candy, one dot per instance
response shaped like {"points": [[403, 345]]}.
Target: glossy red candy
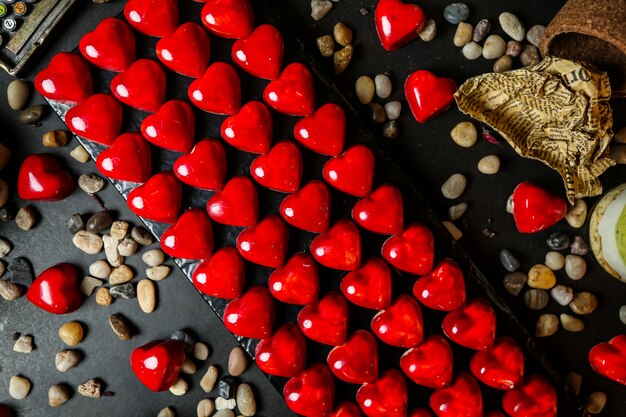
{"points": [[387, 397], [265, 243], [249, 130], [157, 364], [141, 86], [297, 281], [280, 169], [609, 359], [252, 314], [293, 93], [501, 366], [535, 398], [261, 53], [326, 321], [401, 324], [231, 19], [443, 288], [398, 23], [309, 208], [352, 172], [429, 364], [186, 51], [534, 209], [324, 131], [381, 212], [111, 45], [237, 204], [42, 178], [218, 91], [152, 17], [204, 167], [340, 247], [420, 412], [55, 290], [128, 159], [412, 251], [347, 409], [159, 199], [191, 237], [472, 326], [222, 275], [99, 119], [311, 393], [172, 127], [428, 95], [283, 353], [369, 286], [6, 411], [461, 398], [356, 361], [66, 79]]}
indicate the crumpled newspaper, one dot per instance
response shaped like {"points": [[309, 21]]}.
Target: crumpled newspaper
{"points": [[556, 111]]}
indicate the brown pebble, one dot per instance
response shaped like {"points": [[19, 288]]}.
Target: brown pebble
{"points": [[237, 361], [25, 218], [146, 295], [595, 402], [119, 229], [71, 333], [514, 282], [342, 58], [529, 56], [142, 236], [573, 382], [207, 383], [326, 45], [513, 49], [584, 303], [54, 139], [120, 326], [571, 323], [121, 275], [429, 32], [342, 34], [536, 299], [103, 297], [377, 112], [547, 325], [390, 129], [503, 64], [9, 291], [58, 395]]}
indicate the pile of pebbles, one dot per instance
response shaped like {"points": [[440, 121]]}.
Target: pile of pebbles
{"points": [[382, 87], [342, 36]]}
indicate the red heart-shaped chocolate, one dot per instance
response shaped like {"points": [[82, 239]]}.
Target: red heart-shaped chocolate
{"points": [[128, 159], [387, 397], [398, 23], [443, 288], [157, 364], [309, 208], [55, 290], [186, 51], [534, 209], [283, 353], [6, 411], [412, 251], [152, 17], [356, 361], [237, 204], [297, 281], [494, 413], [280, 169], [420, 412], [218, 91], [369, 286], [401, 324], [347, 409], [232, 19], [159, 199], [326, 321], [42, 178], [261, 53], [204, 167], [266, 243], [311, 393], [249, 130], [111, 45], [293, 93], [428, 95], [340, 247], [222, 275], [324, 131], [472, 326], [172, 127], [252, 314], [609, 359], [191, 237], [352, 172], [381, 212], [535, 398], [66, 79], [141, 86], [501, 366], [461, 398], [99, 119], [430, 364]]}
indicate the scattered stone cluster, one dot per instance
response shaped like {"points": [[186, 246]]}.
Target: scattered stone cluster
{"points": [[342, 36], [381, 86]]}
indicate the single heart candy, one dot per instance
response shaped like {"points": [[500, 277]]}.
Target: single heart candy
{"points": [[309, 208], [428, 95], [324, 131], [67, 79], [401, 324], [191, 237], [381, 212], [186, 51], [231, 19], [472, 326], [369, 286], [461, 398], [141, 86], [42, 178], [536, 397], [443, 288], [250, 129], [430, 364], [609, 359], [261, 53], [356, 361], [326, 321], [387, 397], [283, 353], [265, 243], [157, 364], [55, 290], [412, 251], [293, 93], [111, 45], [172, 127], [280, 169], [501, 366], [311, 393], [204, 167], [218, 91], [252, 314], [222, 275], [347, 409], [339, 248], [534, 209], [152, 17], [398, 23], [352, 172], [159, 199], [99, 119], [237, 204], [297, 281], [128, 159]]}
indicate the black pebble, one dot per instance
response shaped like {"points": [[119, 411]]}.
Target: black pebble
{"points": [[558, 241], [99, 221], [227, 387], [21, 271], [8, 212], [508, 260], [185, 338], [75, 223], [125, 291]]}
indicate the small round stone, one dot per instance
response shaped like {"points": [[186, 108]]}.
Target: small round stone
{"points": [[595, 402], [100, 269], [489, 165], [200, 351], [120, 326], [503, 64], [377, 112], [245, 400], [463, 34], [472, 51], [555, 260], [622, 314], [99, 221], [575, 266], [153, 257], [558, 241], [205, 408], [166, 412], [562, 294], [91, 183], [18, 94], [584, 303], [237, 362], [481, 30], [146, 295], [71, 333], [365, 89], [121, 275], [454, 186], [541, 277], [429, 32], [158, 273], [80, 154], [547, 325], [512, 26], [513, 49], [508, 260], [25, 218], [142, 236], [579, 246], [58, 395], [67, 359], [8, 290], [326, 45], [19, 387], [342, 34], [54, 139], [390, 129], [529, 55], [383, 85], [494, 47], [456, 12], [536, 299], [32, 115], [571, 323], [189, 367], [534, 34], [577, 214], [457, 211], [127, 247], [180, 387], [103, 297], [573, 382], [464, 134]]}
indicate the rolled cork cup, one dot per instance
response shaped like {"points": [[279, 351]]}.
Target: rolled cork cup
{"points": [[592, 31]]}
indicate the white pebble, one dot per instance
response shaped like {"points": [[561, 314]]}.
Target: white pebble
{"points": [[555, 260], [534, 34], [393, 109], [472, 51], [200, 351], [575, 266], [100, 269], [494, 47], [562, 294], [383, 85], [153, 257], [179, 387], [158, 273], [320, 8], [454, 186], [512, 26], [224, 404], [489, 164], [464, 134], [19, 387]]}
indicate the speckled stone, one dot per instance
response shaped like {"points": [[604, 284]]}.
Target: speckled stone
{"points": [[120, 326], [513, 49], [326, 45], [464, 134], [142, 236], [481, 30], [429, 32], [547, 325], [245, 400], [529, 56], [91, 183], [584, 303]]}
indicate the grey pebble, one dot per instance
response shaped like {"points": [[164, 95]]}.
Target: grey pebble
{"points": [[67, 359], [508, 260], [8, 290], [100, 269], [32, 115], [457, 211], [383, 85], [536, 299], [558, 241], [320, 8], [5, 247], [562, 294], [18, 94], [571, 323], [393, 109], [512, 26], [514, 282], [21, 271], [454, 186], [25, 218], [377, 112], [579, 246], [75, 223], [547, 325], [575, 267], [513, 49], [142, 236], [91, 183], [481, 30], [555, 260], [529, 55], [88, 242], [120, 326], [99, 221], [391, 129], [124, 291], [622, 314], [245, 400], [456, 12], [127, 247], [534, 34]]}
